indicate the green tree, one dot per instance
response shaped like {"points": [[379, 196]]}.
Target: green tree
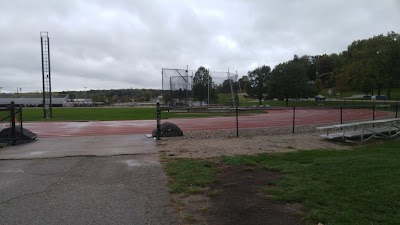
{"points": [[309, 64], [288, 80], [373, 63], [244, 84], [167, 98], [202, 83], [98, 98], [385, 51], [258, 82], [228, 86]]}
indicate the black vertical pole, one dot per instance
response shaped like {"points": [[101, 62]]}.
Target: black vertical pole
{"points": [[43, 75], [341, 114], [20, 119], [397, 106], [373, 112], [12, 115], [237, 122], [50, 94], [158, 121], [294, 117]]}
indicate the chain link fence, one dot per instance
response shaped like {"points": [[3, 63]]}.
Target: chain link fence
{"points": [[208, 122], [179, 87]]}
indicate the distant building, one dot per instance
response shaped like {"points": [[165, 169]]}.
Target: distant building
{"points": [[34, 101], [82, 103]]}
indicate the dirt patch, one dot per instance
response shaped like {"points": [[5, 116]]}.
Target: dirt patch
{"points": [[238, 197], [210, 148]]}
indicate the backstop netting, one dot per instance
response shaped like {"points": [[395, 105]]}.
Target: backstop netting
{"points": [[179, 88]]}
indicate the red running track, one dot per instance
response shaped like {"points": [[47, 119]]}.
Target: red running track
{"points": [[274, 118]]}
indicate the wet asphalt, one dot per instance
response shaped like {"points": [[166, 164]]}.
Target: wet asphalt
{"points": [[124, 187]]}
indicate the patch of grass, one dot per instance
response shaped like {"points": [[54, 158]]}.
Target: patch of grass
{"points": [[190, 219], [111, 114], [338, 187], [190, 176], [87, 114]]}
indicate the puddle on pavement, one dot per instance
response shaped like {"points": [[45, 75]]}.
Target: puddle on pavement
{"points": [[36, 153], [132, 163]]}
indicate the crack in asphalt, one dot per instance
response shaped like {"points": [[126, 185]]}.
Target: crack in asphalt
{"points": [[86, 156], [52, 186]]}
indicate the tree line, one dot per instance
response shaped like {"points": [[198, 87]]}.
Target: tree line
{"points": [[366, 65], [115, 95]]}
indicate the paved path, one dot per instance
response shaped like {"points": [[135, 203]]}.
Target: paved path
{"points": [[81, 146], [123, 189]]}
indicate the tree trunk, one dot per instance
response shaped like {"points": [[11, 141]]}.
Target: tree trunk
{"points": [[259, 100], [379, 89], [287, 101], [389, 90]]}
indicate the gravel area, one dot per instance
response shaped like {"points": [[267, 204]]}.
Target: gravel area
{"points": [[209, 144]]}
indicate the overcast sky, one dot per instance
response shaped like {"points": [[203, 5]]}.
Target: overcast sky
{"points": [[103, 44]]}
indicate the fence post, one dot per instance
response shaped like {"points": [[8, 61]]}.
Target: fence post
{"points": [[397, 106], [20, 119], [373, 111], [294, 117], [237, 121], [12, 116], [158, 121], [341, 114]]}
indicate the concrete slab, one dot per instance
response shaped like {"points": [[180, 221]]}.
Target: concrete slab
{"points": [[85, 190], [81, 146]]}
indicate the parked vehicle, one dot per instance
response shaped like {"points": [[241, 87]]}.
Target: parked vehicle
{"points": [[319, 98]]}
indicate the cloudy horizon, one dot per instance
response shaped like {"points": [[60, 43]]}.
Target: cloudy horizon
{"points": [[121, 44]]}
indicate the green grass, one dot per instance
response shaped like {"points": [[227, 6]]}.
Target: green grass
{"points": [[85, 114], [336, 187], [189, 176], [110, 114]]}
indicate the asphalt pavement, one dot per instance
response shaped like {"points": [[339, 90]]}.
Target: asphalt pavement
{"points": [[123, 186]]}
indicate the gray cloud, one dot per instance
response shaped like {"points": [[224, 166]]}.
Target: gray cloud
{"points": [[102, 44]]}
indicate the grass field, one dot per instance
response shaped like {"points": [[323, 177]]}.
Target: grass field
{"points": [[84, 114], [336, 187], [110, 114]]}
